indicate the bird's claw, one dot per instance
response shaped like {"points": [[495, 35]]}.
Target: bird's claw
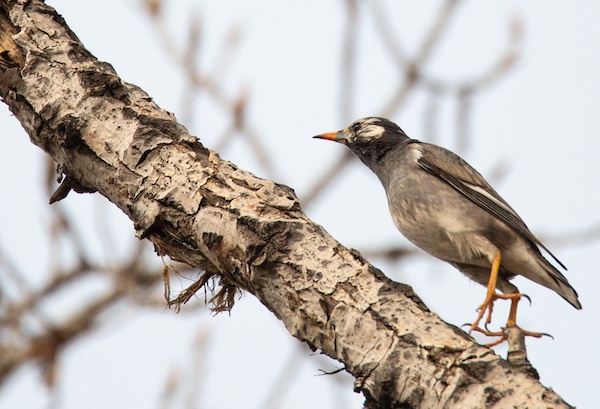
{"points": [[502, 334]]}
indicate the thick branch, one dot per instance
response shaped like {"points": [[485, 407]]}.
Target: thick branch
{"points": [[109, 136]]}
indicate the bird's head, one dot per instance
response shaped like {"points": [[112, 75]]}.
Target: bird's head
{"points": [[369, 138]]}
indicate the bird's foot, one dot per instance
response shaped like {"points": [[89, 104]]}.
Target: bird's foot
{"points": [[503, 335], [488, 305]]}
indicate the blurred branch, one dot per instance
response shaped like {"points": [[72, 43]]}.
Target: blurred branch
{"points": [[578, 237], [348, 61], [188, 381], [190, 59], [463, 134], [414, 76], [413, 69], [465, 90], [26, 344], [329, 176], [44, 348], [410, 69], [391, 253], [11, 277], [276, 392], [431, 116], [388, 38], [21, 342], [211, 83], [498, 70]]}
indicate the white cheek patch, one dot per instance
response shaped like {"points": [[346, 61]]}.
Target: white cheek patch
{"points": [[372, 131]]}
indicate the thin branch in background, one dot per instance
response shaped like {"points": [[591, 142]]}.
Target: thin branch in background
{"points": [[327, 178], [497, 71], [153, 7], [389, 39], [498, 172], [27, 344], [239, 119], [411, 71], [13, 313], [432, 115], [348, 66], [187, 382], [198, 81], [507, 59], [347, 96], [463, 116], [413, 68], [275, 396], [191, 56], [28, 333], [578, 237], [10, 276], [171, 386], [199, 367], [237, 123], [45, 347], [227, 50], [464, 90], [393, 253], [60, 230]]}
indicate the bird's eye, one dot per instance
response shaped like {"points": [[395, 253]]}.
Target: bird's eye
{"points": [[355, 127]]}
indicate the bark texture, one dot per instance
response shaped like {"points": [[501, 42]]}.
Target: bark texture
{"points": [[108, 136]]}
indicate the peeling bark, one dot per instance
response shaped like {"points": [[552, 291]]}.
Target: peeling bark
{"points": [[108, 136]]}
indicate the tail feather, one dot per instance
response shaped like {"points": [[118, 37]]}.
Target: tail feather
{"points": [[558, 282], [568, 293]]}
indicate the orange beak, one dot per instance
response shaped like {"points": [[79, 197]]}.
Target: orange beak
{"points": [[339, 136]]}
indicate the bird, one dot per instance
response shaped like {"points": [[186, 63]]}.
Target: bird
{"points": [[445, 207]]}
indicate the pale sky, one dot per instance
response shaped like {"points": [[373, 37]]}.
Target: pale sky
{"points": [[541, 122]]}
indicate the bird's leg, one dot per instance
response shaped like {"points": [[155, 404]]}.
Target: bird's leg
{"points": [[512, 318], [512, 315], [488, 304], [490, 297]]}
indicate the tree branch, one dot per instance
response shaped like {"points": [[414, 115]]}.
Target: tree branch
{"points": [[108, 136]]}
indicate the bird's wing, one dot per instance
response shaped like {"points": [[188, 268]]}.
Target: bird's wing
{"points": [[462, 177]]}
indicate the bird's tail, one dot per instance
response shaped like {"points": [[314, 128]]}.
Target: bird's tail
{"points": [[556, 281]]}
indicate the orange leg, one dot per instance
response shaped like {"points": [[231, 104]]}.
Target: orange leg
{"points": [[491, 295], [488, 305]]}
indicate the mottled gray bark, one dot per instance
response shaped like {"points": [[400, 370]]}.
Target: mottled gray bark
{"points": [[109, 137]]}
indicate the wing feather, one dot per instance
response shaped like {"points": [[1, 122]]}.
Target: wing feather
{"points": [[466, 180]]}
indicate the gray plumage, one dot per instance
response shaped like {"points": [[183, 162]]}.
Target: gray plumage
{"points": [[445, 207]]}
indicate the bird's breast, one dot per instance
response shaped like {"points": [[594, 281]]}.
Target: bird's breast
{"points": [[428, 212]]}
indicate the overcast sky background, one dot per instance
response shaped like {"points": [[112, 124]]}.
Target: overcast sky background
{"points": [[541, 121]]}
